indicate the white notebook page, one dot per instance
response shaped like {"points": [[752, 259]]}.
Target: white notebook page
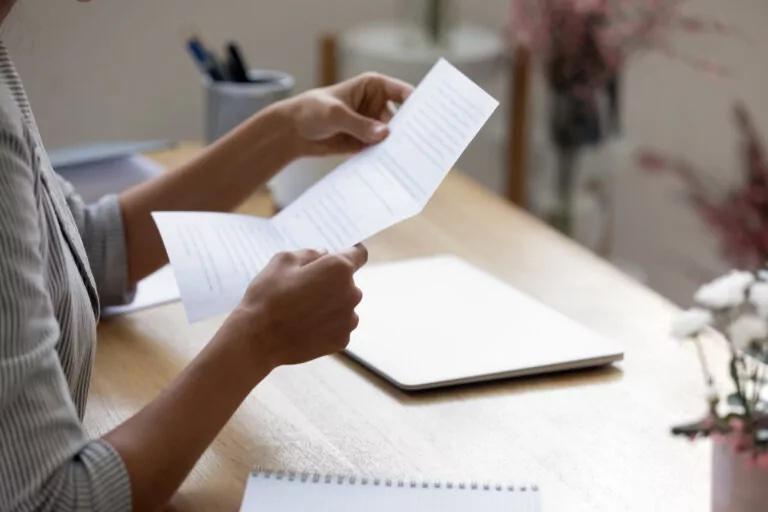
{"points": [[331, 494]]}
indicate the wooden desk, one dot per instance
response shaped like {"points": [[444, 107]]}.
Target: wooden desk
{"points": [[594, 441]]}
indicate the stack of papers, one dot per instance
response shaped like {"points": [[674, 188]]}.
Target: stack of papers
{"points": [[215, 255], [154, 290], [110, 168]]}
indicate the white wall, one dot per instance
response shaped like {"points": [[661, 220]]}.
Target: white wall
{"points": [[117, 69], [672, 107]]}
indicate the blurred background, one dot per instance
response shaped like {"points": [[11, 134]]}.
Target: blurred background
{"points": [[112, 69]]}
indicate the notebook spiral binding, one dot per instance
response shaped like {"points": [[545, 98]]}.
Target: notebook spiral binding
{"points": [[317, 478]]}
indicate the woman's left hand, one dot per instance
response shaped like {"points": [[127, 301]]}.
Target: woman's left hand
{"points": [[345, 117]]}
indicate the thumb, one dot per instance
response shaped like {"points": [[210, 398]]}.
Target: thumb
{"points": [[306, 256], [357, 255], [364, 129]]}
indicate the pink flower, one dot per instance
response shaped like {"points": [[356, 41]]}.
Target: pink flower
{"points": [[739, 217], [610, 29], [651, 162]]}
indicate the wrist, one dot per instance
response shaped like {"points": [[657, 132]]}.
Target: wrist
{"points": [[285, 114], [243, 346]]}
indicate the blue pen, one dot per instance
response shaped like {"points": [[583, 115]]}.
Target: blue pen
{"points": [[204, 60]]}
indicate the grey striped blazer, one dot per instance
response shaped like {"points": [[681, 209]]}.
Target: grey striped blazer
{"points": [[58, 257]]}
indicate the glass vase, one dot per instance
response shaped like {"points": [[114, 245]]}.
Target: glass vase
{"points": [[576, 146], [432, 20]]}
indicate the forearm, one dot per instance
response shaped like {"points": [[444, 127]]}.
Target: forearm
{"points": [[218, 180], [285, 317], [161, 443]]}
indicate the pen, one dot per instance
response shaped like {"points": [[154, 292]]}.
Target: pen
{"points": [[236, 64], [204, 60]]}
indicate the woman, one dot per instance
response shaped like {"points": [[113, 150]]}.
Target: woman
{"points": [[60, 261]]}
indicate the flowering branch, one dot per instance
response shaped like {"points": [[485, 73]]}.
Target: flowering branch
{"points": [[740, 216], [615, 29], [736, 305]]}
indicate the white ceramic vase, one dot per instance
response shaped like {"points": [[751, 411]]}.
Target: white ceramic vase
{"points": [[739, 484]]}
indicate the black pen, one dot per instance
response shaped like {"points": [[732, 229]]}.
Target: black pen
{"points": [[238, 71]]}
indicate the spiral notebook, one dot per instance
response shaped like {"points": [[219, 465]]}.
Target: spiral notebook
{"points": [[292, 492]]}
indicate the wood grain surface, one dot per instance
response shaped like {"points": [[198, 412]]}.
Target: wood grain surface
{"points": [[593, 440]]}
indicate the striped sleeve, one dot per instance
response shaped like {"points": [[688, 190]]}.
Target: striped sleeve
{"points": [[47, 462], [101, 228]]}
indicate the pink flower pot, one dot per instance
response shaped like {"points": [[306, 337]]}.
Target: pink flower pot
{"points": [[739, 482]]}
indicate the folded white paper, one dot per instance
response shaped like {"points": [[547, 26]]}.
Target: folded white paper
{"points": [[110, 168], [93, 180], [154, 290], [215, 255]]}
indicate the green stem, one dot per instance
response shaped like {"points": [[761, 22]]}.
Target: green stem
{"points": [[759, 383], [562, 218], [755, 375], [708, 378], [434, 18], [734, 366]]}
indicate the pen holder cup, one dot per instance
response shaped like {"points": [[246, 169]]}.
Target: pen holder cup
{"points": [[227, 104]]}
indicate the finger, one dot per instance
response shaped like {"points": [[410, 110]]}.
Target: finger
{"points": [[356, 295], [349, 261], [362, 128], [307, 256], [344, 143], [395, 90], [388, 112], [357, 255]]}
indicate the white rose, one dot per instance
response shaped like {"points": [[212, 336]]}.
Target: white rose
{"points": [[726, 291], [758, 296], [745, 329], [691, 323]]}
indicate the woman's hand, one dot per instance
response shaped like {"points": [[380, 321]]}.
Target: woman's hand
{"points": [[300, 307], [342, 118], [345, 117]]}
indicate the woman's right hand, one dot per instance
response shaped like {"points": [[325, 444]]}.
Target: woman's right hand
{"points": [[300, 307]]}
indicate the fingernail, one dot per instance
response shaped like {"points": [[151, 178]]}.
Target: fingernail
{"points": [[379, 131]]}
